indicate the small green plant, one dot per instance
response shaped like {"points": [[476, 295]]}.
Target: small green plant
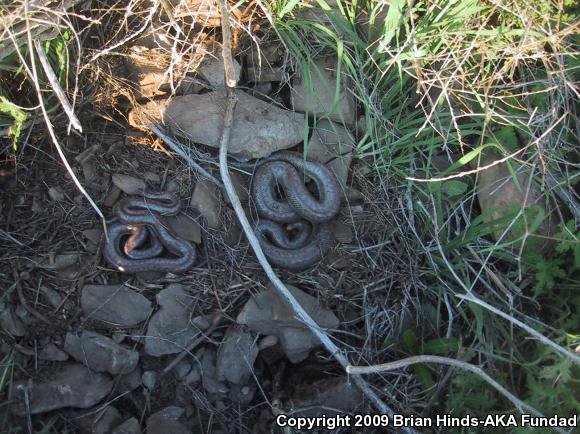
{"points": [[563, 265], [14, 118]]}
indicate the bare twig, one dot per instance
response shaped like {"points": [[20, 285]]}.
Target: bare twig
{"points": [[469, 297], [178, 149], [398, 364], [51, 133], [56, 87], [283, 291], [494, 163]]}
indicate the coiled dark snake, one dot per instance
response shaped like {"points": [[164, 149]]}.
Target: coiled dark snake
{"points": [[144, 235], [294, 230]]}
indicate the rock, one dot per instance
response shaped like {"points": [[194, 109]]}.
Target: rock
{"points": [[329, 397], [202, 322], [53, 298], [206, 200], [319, 99], [89, 171], [149, 379], [169, 329], [500, 196], [343, 233], [115, 305], [60, 262], [242, 394], [71, 386], [152, 177], [266, 313], [9, 322], [56, 194], [332, 145], [173, 186], [118, 336], [99, 422], [266, 73], [112, 197], [267, 342], [212, 70], [37, 206], [259, 128], [53, 353], [236, 356], [209, 379], [372, 31], [241, 184], [353, 195], [167, 421], [182, 369], [265, 53], [88, 153], [321, 17], [127, 382], [185, 227], [130, 426], [193, 377], [261, 91], [24, 315], [100, 353], [128, 184], [93, 237]]}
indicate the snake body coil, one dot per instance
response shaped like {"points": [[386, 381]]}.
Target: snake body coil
{"points": [[144, 235], [299, 212]]}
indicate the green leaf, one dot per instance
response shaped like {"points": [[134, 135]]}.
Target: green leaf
{"points": [[507, 137], [453, 187], [393, 21], [440, 346], [409, 340], [19, 117], [288, 8]]}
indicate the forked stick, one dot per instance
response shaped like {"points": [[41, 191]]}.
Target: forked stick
{"points": [[299, 311]]}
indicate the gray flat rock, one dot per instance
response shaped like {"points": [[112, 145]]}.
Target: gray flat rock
{"points": [[266, 313], [205, 199], [10, 322], [343, 233], [212, 70], [167, 421], [100, 421], [259, 128], [71, 386], [116, 305], [53, 353], [320, 98], [185, 227], [326, 397], [211, 383], [236, 356], [127, 382], [169, 329], [332, 145], [101, 353], [130, 426], [149, 379], [53, 298], [128, 184]]}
